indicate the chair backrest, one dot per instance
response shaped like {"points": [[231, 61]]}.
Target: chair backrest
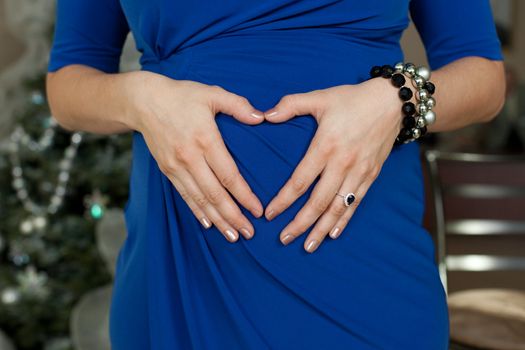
{"points": [[476, 195]]}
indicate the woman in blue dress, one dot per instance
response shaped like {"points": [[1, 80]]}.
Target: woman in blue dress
{"points": [[247, 116]]}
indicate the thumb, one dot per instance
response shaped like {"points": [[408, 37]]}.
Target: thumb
{"points": [[295, 104], [237, 106]]}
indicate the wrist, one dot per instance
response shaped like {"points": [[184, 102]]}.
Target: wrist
{"points": [[389, 97], [416, 117], [135, 96]]}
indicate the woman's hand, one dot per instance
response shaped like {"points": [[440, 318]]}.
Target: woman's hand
{"points": [[177, 120], [357, 127]]}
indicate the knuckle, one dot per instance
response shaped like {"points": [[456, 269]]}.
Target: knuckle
{"points": [[298, 185], [204, 140], [201, 201], [349, 158], [184, 194], [320, 204], [168, 166], [214, 196], [229, 179], [339, 210], [288, 99], [327, 148], [374, 172], [216, 88], [242, 100], [182, 154]]}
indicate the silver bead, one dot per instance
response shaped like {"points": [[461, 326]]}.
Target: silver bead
{"points": [[410, 69], [431, 102], [418, 82], [423, 72], [430, 117], [420, 122], [422, 95], [416, 133], [422, 108], [399, 67]]}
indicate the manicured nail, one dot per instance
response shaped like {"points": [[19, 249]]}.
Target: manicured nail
{"points": [[247, 232], [287, 239], [256, 115], [232, 236], [269, 214], [312, 245], [205, 222], [271, 114], [256, 212], [335, 233]]}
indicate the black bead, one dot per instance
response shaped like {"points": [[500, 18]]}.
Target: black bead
{"points": [[405, 93], [423, 130], [409, 108], [405, 134], [387, 71], [398, 80], [431, 88], [375, 71], [409, 122], [398, 142]]}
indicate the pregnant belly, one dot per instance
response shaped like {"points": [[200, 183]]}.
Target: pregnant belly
{"points": [[271, 65]]}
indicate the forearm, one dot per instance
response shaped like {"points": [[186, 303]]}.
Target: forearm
{"points": [[469, 90], [82, 98]]}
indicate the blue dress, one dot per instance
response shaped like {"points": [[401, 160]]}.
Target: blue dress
{"points": [[180, 286]]}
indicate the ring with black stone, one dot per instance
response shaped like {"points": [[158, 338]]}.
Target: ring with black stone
{"points": [[348, 198]]}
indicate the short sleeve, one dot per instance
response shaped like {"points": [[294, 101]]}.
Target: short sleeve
{"points": [[453, 29], [89, 32]]}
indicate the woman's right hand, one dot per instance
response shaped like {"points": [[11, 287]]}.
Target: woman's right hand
{"points": [[177, 121]]}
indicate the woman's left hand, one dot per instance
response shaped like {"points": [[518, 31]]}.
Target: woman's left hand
{"points": [[357, 127]]}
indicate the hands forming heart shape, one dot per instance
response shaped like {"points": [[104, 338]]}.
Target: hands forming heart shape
{"points": [[357, 126]]}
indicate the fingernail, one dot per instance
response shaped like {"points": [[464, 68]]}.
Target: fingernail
{"points": [[335, 233], [205, 222], [232, 236], [269, 214], [271, 114], [256, 115], [312, 245], [247, 232], [256, 212], [287, 239]]}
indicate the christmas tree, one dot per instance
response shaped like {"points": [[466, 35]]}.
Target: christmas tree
{"points": [[55, 188]]}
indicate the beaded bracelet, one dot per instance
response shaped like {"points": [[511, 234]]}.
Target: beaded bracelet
{"points": [[415, 117]]}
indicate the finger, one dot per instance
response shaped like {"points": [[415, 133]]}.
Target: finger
{"points": [[211, 212], [322, 196], [225, 169], [292, 105], [342, 222], [197, 211], [327, 222], [237, 106], [216, 195], [302, 178]]}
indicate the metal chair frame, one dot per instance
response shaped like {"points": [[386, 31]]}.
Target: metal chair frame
{"points": [[472, 262]]}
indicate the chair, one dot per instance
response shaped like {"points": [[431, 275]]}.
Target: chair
{"points": [[463, 186]]}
